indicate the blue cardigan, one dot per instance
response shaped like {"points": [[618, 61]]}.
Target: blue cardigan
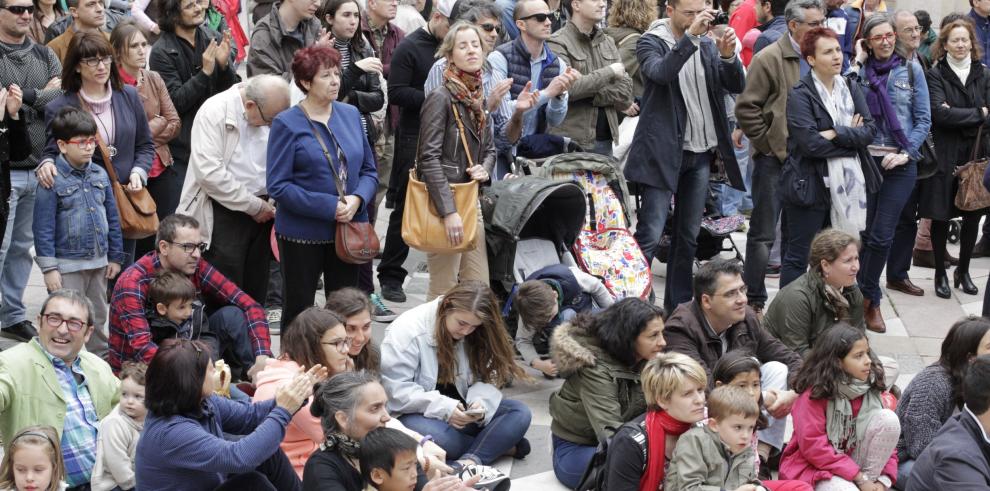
{"points": [[191, 454], [299, 177], [130, 125]]}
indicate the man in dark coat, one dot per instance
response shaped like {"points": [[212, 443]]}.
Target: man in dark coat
{"points": [[959, 456], [683, 69], [719, 320]]}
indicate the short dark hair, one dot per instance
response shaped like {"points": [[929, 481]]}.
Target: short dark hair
{"points": [[777, 7], [71, 296], [474, 10], [308, 61], [706, 279], [71, 122], [958, 348], [87, 45], [977, 385], [301, 341], [169, 286], [169, 14], [133, 370], [170, 224], [924, 19], [175, 378], [618, 326], [379, 449], [954, 16]]}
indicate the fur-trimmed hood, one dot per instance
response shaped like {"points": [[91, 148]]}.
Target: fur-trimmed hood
{"points": [[572, 348]]}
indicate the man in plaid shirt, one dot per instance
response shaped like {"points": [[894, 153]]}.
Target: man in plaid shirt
{"points": [[238, 323]]}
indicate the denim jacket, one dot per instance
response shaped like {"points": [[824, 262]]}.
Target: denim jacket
{"points": [[915, 115], [77, 218]]}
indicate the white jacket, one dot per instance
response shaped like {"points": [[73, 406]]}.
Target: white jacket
{"points": [[115, 451], [410, 369]]}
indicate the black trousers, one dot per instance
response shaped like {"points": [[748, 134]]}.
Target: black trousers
{"points": [[301, 268], [390, 270], [274, 474], [166, 189], [240, 249]]}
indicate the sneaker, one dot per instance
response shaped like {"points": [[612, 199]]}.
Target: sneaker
{"points": [[23, 331], [393, 293], [379, 312], [492, 479], [274, 320]]}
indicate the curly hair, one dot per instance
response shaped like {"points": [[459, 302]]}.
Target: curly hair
{"points": [[634, 14], [822, 370]]}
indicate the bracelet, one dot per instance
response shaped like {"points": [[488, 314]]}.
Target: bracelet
{"points": [[426, 438]]}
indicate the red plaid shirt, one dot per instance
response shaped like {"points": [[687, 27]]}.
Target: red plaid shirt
{"points": [[130, 337]]}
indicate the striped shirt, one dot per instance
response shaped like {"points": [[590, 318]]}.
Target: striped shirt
{"points": [[81, 423]]}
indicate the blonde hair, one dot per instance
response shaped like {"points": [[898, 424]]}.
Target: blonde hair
{"points": [[447, 46], [668, 372], [43, 436], [729, 400], [634, 14]]}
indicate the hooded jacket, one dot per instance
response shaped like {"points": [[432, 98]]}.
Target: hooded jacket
{"points": [[599, 393], [272, 48], [701, 461]]}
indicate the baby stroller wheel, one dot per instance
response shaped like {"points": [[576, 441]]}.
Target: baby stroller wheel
{"points": [[954, 230]]}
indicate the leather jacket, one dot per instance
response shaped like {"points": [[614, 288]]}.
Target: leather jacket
{"points": [[442, 159]]}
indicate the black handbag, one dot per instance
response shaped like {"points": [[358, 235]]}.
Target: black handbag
{"points": [[928, 164], [799, 185]]}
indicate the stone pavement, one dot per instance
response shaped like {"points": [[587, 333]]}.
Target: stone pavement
{"points": [[915, 329]]}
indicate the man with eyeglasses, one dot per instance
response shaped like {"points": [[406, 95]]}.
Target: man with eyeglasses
{"points": [[225, 189], [290, 26], [52, 381], [761, 111], [719, 320], [87, 16], [234, 318], [33, 70]]}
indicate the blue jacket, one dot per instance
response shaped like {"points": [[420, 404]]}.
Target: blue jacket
{"points": [[77, 218], [837, 19], [131, 133], [187, 453], [982, 25], [774, 30], [299, 176], [958, 458], [914, 114]]}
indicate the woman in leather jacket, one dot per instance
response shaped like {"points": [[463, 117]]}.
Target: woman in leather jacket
{"points": [[456, 145]]}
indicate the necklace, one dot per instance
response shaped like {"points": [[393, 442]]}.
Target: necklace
{"points": [[112, 150]]}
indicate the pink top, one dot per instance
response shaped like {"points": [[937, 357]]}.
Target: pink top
{"points": [[102, 112], [304, 433], [809, 456]]}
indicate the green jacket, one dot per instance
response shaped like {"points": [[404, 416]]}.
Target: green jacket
{"points": [[599, 393], [800, 312], [702, 463], [31, 395]]}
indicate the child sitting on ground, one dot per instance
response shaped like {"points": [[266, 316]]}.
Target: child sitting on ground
{"points": [[718, 454], [119, 432], [548, 297], [388, 461], [33, 461], [77, 236], [174, 311]]}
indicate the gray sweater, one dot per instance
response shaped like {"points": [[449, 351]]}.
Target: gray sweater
{"points": [[926, 404]]}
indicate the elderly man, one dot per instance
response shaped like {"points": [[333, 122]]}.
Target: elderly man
{"points": [[51, 381], [224, 189]]}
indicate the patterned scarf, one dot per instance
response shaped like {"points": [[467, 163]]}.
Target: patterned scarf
{"points": [[347, 446], [845, 432], [466, 88]]}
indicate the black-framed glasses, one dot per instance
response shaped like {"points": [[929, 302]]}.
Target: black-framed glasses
{"points": [[813, 24], [19, 9], [56, 320], [539, 17], [341, 345], [189, 247], [95, 61], [489, 27], [261, 112]]}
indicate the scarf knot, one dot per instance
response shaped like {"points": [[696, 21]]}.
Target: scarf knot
{"points": [[466, 88]]}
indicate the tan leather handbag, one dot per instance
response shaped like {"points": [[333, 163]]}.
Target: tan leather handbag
{"points": [[423, 228], [971, 194], [137, 210]]}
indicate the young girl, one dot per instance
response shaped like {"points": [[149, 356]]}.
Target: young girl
{"points": [[741, 369], [844, 438], [33, 461]]}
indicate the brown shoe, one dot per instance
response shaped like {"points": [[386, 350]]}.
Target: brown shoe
{"points": [[874, 319], [905, 286], [923, 259]]}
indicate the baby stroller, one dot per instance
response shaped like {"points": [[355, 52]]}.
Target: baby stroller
{"points": [[605, 247]]}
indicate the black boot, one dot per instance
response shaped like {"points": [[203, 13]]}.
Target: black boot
{"points": [[962, 277], [942, 285]]}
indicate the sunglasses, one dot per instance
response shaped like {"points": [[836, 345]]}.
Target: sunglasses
{"points": [[19, 9], [491, 27], [541, 17]]}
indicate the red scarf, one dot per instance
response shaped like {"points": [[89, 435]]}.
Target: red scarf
{"points": [[658, 425]]}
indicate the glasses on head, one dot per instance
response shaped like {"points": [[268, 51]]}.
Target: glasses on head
{"points": [[882, 37], [84, 142], [95, 61], [189, 247], [56, 321], [341, 345], [19, 9], [909, 30], [540, 17], [489, 27], [741, 291]]}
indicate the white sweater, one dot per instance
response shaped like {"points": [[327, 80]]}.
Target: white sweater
{"points": [[115, 450]]}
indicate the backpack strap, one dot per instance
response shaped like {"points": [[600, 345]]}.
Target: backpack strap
{"points": [[642, 439]]}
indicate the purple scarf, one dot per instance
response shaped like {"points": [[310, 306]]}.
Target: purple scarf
{"points": [[878, 99]]}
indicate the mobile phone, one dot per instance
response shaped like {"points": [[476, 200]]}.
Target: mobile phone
{"points": [[475, 411]]}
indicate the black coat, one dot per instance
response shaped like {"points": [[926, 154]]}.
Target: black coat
{"points": [[808, 150], [958, 458], [14, 145], [361, 89], [954, 129]]}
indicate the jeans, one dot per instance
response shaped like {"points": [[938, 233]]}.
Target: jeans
{"points": [[692, 191], [902, 248], [773, 375], [276, 473], [903, 473], [802, 225], [482, 444], [732, 201], [602, 147], [241, 249], [570, 460], [762, 226], [390, 270], [230, 327], [301, 268], [883, 210], [15, 254]]}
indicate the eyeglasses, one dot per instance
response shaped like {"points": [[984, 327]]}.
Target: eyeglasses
{"points": [[813, 24], [19, 9], [261, 112], [84, 142], [96, 60], [491, 27], [189, 247], [540, 17], [741, 291], [56, 321], [342, 345], [882, 37], [909, 30]]}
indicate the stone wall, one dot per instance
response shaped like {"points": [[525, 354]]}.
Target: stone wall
{"points": [[937, 8]]}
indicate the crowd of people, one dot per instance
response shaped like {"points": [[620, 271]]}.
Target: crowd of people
{"points": [[182, 215]]}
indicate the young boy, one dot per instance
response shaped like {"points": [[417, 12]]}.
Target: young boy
{"points": [[548, 297], [119, 432], [719, 453], [388, 460], [77, 235], [174, 311]]}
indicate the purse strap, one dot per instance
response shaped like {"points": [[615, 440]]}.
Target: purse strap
{"points": [[326, 153], [977, 144], [460, 127], [107, 163]]}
